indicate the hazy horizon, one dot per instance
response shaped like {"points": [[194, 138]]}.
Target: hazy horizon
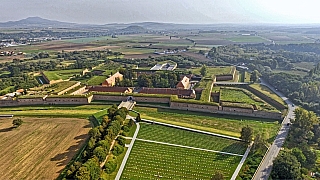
{"points": [[166, 11]]}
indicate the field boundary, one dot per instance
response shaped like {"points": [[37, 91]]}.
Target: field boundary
{"points": [[190, 129], [188, 147]]}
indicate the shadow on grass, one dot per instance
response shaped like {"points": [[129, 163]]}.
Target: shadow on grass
{"points": [[64, 158], [6, 129]]}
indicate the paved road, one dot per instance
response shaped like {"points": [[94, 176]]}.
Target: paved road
{"points": [[230, 83], [124, 161], [265, 167], [236, 172]]}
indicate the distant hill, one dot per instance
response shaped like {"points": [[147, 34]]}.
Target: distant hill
{"points": [[36, 22]]}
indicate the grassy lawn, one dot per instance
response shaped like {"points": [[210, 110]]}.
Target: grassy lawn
{"points": [[148, 160], [60, 86], [96, 80], [265, 90], [237, 95], [221, 124], [187, 138], [76, 111], [62, 74]]}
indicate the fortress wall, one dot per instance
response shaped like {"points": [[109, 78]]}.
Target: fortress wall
{"points": [[79, 91], [75, 100], [151, 99], [109, 98], [69, 88], [266, 98]]}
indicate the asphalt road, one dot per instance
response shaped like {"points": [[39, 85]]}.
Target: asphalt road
{"points": [[265, 167]]}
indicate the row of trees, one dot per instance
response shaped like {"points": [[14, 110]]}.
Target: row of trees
{"points": [[299, 156], [159, 80], [102, 139]]}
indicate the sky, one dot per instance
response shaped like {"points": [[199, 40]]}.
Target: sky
{"points": [[172, 11]]}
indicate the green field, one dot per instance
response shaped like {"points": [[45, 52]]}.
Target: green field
{"points": [[70, 111], [237, 95], [188, 138], [96, 80], [62, 74], [247, 39], [221, 124], [60, 86], [150, 160], [265, 90]]}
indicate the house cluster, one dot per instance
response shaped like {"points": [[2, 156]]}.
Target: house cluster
{"points": [[12, 95], [169, 52], [182, 90]]}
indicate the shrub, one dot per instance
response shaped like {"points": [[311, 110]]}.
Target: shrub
{"points": [[117, 150], [110, 166]]}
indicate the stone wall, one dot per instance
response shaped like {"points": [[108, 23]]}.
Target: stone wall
{"points": [[194, 107], [9, 102], [61, 100], [266, 98], [31, 101], [48, 81], [136, 98], [69, 88], [79, 91], [225, 110]]}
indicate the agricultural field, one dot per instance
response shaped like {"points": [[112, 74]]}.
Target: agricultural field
{"points": [[70, 111], [213, 70], [41, 147], [221, 124], [152, 161], [187, 138]]}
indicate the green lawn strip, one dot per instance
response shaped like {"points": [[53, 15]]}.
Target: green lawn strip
{"points": [[62, 74], [72, 111], [268, 92], [188, 138], [147, 160], [60, 86], [96, 80], [221, 124], [51, 75], [238, 95]]}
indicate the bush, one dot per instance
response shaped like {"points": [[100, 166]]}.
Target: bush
{"points": [[125, 128], [17, 122], [121, 140], [110, 166], [117, 150]]}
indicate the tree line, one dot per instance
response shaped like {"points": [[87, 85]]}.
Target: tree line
{"points": [[104, 139]]}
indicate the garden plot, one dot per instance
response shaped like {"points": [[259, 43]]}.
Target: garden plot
{"points": [[152, 161], [187, 138]]}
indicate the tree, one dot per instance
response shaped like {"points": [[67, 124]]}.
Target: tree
{"points": [[286, 166], [255, 76], [218, 175], [246, 134], [203, 70], [17, 122], [100, 153], [138, 118]]}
